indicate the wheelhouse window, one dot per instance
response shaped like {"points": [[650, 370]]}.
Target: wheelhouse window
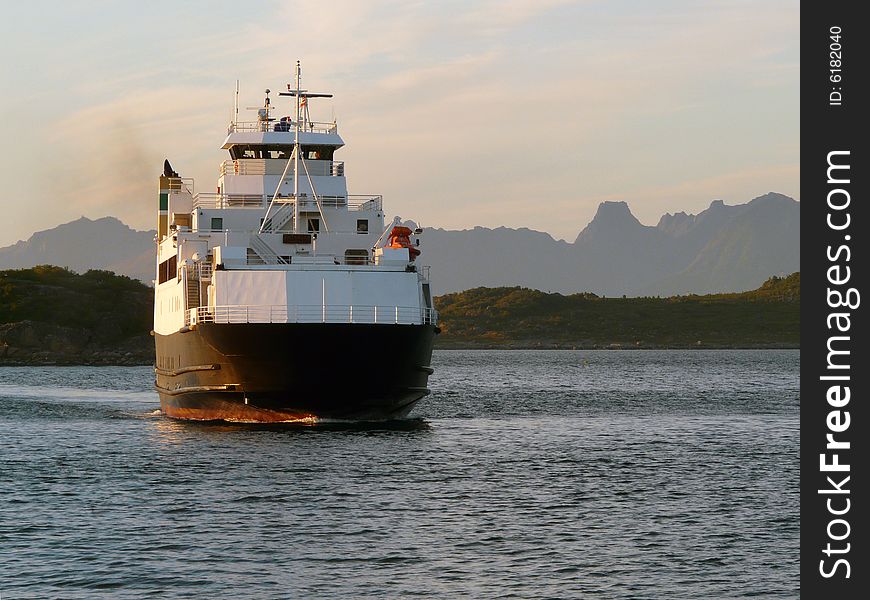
{"points": [[261, 151]]}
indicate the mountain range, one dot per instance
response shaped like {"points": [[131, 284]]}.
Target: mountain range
{"points": [[84, 244], [725, 248]]}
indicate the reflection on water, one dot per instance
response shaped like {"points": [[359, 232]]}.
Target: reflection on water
{"points": [[526, 474], [178, 428]]}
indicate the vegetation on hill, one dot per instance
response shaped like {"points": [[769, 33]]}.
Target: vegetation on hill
{"points": [[523, 318], [53, 315], [113, 306]]}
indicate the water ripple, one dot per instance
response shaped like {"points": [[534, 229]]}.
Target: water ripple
{"points": [[534, 474]]}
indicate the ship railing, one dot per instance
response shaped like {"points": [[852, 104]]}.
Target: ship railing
{"points": [[310, 126], [365, 202], [180, 183], [205, 269], [354, 202], [275, 166], [213, 200], [313, 313], [308, 203]]}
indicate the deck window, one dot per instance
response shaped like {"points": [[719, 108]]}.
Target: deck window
{"points": [[168, 269], [217, 224], [362, 225]]}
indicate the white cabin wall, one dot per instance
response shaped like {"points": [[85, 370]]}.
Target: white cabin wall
{"points": [[166, 249], [252, 288], [235, 219], [179, 201], [336, 243], [343, 287], [189, 247], [325, 186], [259, 185], [341, 220], [169, 307], [245, 184], [376, 287]]}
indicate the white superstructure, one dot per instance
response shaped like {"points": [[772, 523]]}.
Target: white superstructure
{"points": [[281, 240]]}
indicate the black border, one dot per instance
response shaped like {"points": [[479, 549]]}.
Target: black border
{"points": [[826, 128]]}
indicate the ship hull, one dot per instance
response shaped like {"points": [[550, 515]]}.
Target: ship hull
{"points": [[261, 372]]}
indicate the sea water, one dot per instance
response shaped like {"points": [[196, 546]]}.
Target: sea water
{"points": [[526, 474]]}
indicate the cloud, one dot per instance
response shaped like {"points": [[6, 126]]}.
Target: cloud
{"points": [[518, 113], [108, 156]]}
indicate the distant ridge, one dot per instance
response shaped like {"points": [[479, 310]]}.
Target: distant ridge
{"points": [[724, 248], [84, 244]]}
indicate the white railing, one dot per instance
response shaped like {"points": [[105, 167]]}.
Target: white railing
{"points": [[275, 166], [245, 167], [313, 313], [365, 202], [180, 183], [212, 200], [352, 202], [312, 126], [205, 270]]}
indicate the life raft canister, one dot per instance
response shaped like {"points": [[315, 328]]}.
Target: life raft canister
{"points": [[400, 237]]}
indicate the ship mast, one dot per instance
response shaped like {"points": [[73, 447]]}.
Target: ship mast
{"points": [[296, 153], [302, 97], [294, 158], [301, 100]]}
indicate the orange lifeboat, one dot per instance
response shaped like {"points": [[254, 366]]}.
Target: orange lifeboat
{"points": [[400, 237]]}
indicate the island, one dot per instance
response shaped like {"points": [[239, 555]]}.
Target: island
{"points": [[53, 316]]}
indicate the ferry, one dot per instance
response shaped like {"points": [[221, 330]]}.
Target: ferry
{"points": [[280, 297]]}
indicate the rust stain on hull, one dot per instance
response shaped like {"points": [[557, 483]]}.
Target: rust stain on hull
{"points": [[233, 411]]}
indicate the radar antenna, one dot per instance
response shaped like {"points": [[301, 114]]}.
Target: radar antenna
{"points": [[264, 113]]}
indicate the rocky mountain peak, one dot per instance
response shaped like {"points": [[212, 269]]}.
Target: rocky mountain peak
{"points": [[722, 248]]}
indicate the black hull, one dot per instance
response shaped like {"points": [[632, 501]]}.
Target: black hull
{"points": [[284, 372]]}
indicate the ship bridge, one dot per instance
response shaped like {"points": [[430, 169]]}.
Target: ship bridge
{"points": [[281, 199], [291, 157]]}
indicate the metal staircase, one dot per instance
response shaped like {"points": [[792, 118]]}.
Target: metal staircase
{"points": [[260, 253], [192, 287], [279, 218]]}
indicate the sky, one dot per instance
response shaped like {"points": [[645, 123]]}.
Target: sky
{"points": [[521, 113]]}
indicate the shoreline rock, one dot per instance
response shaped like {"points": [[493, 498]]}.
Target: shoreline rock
{"points": [[34, 343]]}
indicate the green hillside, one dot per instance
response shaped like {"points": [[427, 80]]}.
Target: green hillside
{"points": [[524, 318], [50, 315]]}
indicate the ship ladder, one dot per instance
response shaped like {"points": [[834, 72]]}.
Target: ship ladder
{"points": [[192, 288]]}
